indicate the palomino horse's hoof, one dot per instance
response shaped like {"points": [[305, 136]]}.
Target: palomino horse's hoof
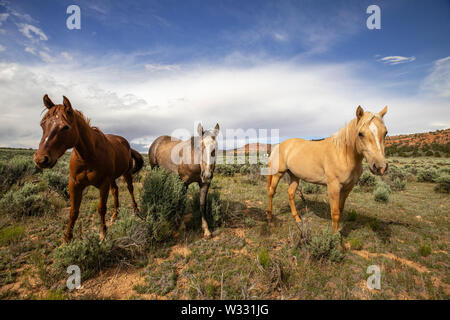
{"points": [[207, 235]]}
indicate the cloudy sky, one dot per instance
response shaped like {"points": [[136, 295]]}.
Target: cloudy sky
{"points": [[142, 69]]}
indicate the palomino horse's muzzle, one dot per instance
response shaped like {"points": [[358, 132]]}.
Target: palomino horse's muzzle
{"points": [[379, 170]]}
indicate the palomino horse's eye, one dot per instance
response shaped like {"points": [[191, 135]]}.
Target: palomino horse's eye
{"points": [[361, 135], [213, 153]]}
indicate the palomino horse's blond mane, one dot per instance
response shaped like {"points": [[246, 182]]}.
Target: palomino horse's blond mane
{"points": [[343, 137]]}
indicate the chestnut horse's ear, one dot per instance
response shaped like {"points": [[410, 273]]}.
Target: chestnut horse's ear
{"points": [[200, 130], [47, 102], [66, 102], [359, 113], [383, 112]]}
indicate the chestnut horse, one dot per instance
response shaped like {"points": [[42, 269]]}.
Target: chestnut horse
{"points": [[193, 160], [335, 161], [97, 159]]}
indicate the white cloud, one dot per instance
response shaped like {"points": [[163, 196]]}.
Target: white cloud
{"points": [[438, 81], [31, 32], [161, 67], [30, 50], [393, 60], [3, 18], [300, 99]]}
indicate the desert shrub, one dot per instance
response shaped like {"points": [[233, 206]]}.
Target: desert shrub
{"points": [[57, 182], [310, 188], [27, 201], [443, 184], [355, 244], [424, 250], [352, 215], [429, 153], [263, 257], [367, 179], [254, 174], [16, 169], [381, 192], [214, 213], [227, 170], [89, 254], [160, 281], [163, 203], [129, 237], [11, 234], [427, 175], [325, 246], [126, 242], [398, 184]]}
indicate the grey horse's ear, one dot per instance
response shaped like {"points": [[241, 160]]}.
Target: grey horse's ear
{"points": [[200, 130], [359, 113], [47, 102]]}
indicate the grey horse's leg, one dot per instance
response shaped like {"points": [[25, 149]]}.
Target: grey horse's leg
{"points": [[203, 196]]}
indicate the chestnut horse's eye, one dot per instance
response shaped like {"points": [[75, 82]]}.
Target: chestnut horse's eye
{"points": [[66, 127], [361, 135]]}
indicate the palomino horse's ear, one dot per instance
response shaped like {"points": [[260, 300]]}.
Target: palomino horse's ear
{"points": [[383, 112], [47, 102], [200, 130], [217, 128], [359, 113], [66, 102]]}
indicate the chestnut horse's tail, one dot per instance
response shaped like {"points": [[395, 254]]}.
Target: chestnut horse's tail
{"points": [[138, 160]]}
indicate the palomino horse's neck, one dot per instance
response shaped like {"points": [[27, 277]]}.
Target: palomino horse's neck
{"points": [[85, 144], [345, 142]]}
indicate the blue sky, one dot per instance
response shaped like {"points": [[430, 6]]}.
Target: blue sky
{"points": [[147, 68]]}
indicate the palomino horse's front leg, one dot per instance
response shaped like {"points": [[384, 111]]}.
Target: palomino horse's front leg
{"points": [[334, 190], [76, 193], [272, 184], [203, 202], [104, 192]]}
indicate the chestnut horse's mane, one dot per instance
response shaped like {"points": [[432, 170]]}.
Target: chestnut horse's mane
{"points": [[54, 111]]}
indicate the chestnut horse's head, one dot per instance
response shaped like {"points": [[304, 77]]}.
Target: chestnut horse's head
{"points": [[208, 151], [370, 139], [59, 133]]}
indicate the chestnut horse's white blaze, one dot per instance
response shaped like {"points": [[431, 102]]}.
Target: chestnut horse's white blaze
{"points": [[335, 161]]}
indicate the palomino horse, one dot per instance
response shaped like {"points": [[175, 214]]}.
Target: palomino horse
{"points": [[97, 159], [335, 161], [193, 160]]}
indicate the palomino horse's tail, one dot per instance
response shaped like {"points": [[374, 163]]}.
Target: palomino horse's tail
{"points": [[138, 160]]}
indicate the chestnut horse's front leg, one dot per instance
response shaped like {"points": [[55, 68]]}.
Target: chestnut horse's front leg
{"points": [[76, 193], [104, 192], [203, 202], [334, 191]]}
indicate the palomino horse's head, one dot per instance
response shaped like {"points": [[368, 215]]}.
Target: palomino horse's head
{"points": [[59, 133], [208, 152], [371, 133]]}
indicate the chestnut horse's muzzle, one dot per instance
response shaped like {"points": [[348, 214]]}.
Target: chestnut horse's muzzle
{"points": [[43, 161]]}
